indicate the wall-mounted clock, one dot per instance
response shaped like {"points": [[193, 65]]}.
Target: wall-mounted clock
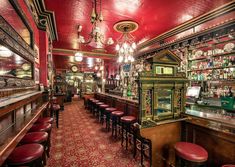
{"points": [[74, 68]]}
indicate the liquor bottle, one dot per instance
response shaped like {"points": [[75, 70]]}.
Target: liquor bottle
{"points": [[221, 75], [225, 62], [230, 74], [129, 91], [233, 73], [230, 93], [225, 75]]}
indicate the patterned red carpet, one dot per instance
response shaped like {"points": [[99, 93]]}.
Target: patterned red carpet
{"points": [[80, 141]]}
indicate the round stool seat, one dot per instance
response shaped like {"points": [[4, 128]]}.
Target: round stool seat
{"points": [[127, 119], [228, 166], [40, 128], [95, 101], [104, 106], [35, 137], [45, 120], [25, 154], [109, 110], [56, 107], [117, 113], [191, 152]]}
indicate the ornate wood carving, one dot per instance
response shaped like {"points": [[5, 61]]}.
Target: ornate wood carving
{"points": [[12, 39]]}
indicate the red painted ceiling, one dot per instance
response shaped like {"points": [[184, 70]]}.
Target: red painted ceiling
{"points": [[153, 16]]}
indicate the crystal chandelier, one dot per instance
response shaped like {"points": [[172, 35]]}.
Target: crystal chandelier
{"points": [[125, 44], [96, 36]]}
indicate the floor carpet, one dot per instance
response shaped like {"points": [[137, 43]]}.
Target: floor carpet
{"points": [[80, 141]]}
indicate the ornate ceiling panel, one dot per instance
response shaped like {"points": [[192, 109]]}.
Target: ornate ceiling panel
{"points": [[153, 17]]}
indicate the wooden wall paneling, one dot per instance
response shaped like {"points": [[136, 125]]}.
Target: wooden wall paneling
{"points": [[163, 138], [220, 146], [12, 135], [133, 109], [120, 105], [13, 106]]}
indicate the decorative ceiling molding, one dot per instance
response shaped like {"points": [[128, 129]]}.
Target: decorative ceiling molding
{"points": [[43, 18], [190, 24], [85, 53]]}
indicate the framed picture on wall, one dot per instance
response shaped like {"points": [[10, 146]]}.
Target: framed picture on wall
{"points": [[36, 75], [37, 54]]}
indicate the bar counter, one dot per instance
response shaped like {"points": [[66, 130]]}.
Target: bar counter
{"points": [[127, 105], [213, 129], [17, 115]]}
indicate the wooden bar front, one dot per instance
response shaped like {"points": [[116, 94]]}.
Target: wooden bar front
{"points": [[128, 106], [17, 115]]}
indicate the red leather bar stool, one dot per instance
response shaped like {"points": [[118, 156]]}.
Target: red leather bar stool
{"points": [[126, 122], [96, 107], [101, 112], [93, 105], [89, 103], [228, 165], [28, 155], [107, 113], [37, 137], [43, 128], [116, 116], [56, 110], [190, 154], [45, 120]]}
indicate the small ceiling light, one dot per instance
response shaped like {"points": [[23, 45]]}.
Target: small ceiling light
{"points": [[78, 56]]}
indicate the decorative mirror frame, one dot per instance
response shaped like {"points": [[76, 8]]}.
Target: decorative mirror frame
{"points": [[22, 16], [12, 40]]}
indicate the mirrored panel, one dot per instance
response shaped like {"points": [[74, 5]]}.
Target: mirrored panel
{"points": [[164, 101], [13, 16], [13, 65]]}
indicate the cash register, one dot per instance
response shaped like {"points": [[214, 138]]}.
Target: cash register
{"points": [[192, 94]]}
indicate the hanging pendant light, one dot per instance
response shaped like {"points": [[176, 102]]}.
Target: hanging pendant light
{"points": [[126, 45]]}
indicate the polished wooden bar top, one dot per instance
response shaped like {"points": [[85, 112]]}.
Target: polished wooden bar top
{"points": [[18, 132], [4, 102], [212, 120], [119, 97]]}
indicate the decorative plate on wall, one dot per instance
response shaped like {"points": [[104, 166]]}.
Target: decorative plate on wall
{"points": [[74, 68], [229, 47]]}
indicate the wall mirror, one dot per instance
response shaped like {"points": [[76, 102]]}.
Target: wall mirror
{"points": [[13, 65], [16, 47], [164, 101], [11, 12]]}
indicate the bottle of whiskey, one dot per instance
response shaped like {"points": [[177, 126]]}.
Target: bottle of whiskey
{"points": [[225, 74], [221, 75]]}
